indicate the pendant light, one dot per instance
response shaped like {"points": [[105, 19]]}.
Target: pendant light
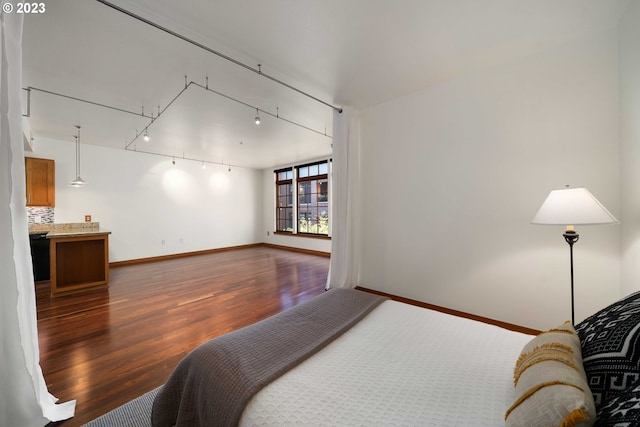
{"points": [[78, 182], [257, 119]]}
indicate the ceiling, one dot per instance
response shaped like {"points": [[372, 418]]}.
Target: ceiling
{"points": [[355, 53]]}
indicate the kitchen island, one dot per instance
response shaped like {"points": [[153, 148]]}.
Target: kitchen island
{"points": [[79, 257]]}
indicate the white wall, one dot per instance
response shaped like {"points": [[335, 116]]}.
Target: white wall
{"points": [[453, 175], [143, 199], [629, 33], [268, 220]]}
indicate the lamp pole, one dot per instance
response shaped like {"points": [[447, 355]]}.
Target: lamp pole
{"points": [[570, 236]]}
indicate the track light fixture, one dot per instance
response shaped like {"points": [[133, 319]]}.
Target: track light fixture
{"points": [[215, 52], [145, 134], [173, 161]]}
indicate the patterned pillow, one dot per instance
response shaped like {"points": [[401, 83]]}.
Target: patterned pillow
{"points": [[621, 411], [550, 385], [610, 341]]}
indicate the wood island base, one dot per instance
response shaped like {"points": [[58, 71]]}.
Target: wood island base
{"points": [[79, 263]]}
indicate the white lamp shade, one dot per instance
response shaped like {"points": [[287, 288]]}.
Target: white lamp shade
{"points": [[573, 206]]}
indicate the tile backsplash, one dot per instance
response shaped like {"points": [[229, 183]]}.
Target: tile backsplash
{"points": [[40, 215]]}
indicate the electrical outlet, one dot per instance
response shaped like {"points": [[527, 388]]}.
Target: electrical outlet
{"points": [[268, 232], [181, 240], [162, 242]]}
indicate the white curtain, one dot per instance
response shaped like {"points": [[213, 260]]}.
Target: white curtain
{"points": [[344, 264], [24, 399]]}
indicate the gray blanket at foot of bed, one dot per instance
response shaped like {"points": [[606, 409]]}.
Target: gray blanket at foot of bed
{"points": [[212, 384]]}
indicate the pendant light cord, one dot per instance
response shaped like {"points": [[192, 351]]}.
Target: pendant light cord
{"points": [[78, 153]]}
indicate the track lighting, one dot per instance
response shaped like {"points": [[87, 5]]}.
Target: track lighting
{"points": [[78, 182], [257, 119], [173, 161], [146, 136], [203, 165]]}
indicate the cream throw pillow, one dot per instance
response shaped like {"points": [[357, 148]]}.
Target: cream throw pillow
{"points": [[550, 384]]}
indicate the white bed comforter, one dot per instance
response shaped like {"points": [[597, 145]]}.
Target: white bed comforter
{"points": [[401, 365]]}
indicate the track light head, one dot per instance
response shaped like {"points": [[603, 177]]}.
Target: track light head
{"points": [[257, 119], [146, 136]]}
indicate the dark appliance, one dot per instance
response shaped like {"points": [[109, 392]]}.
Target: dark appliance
{"points": [[40, 256]]}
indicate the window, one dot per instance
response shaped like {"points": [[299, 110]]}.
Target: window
{"points": [[309, 203], [313, 198], [284, 200]]}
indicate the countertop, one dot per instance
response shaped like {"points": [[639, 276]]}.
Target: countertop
{"points": [[73, 229], [77, 233]]}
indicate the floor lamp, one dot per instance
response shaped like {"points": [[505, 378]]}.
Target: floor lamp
{"points": [[572, 206]]}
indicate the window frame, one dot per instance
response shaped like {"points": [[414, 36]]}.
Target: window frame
{"points": [[320, 192], [286, 210], [311, 179]]}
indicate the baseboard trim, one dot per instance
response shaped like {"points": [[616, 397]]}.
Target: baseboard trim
{"points": [[505, 325], [293, 249], [210, 251], [180, 255]]}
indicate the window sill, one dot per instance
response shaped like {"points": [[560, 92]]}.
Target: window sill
{"points": [[304, 235]]}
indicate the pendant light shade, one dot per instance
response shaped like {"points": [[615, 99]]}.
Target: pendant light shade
{"points": [[78, 182]]}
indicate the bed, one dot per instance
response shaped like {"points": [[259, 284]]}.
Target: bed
{"points": [[349, 357]]}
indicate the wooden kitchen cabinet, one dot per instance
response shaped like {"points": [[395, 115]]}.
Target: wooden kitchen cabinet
{"points": [[41, 182]]}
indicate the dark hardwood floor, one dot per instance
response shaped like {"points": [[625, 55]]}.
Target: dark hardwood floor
{"points": [[104, 348]]}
